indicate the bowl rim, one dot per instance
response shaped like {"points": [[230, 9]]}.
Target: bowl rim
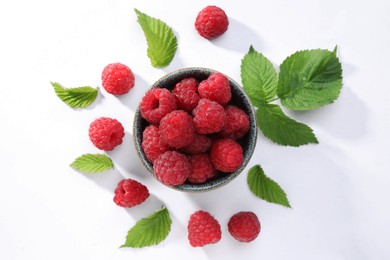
{"points": [[209, 185]]}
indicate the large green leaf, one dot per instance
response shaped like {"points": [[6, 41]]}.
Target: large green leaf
{"points": [[150, 230], [162, 42], [281, 129], [309, 79], [258, 77]]}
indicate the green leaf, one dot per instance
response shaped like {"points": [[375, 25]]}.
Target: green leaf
{"points": [[281, 129], [265, 188], [162, 42], [150, 230], [258, 77], [91, 163], [309, 79], [79, 97]]}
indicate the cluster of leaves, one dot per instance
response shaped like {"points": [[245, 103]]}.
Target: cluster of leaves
{"points": [[307, 80]]}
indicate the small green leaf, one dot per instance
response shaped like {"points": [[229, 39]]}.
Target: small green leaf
{"points": [[79, 97], [265, 188], [258, 77], [92, 163], [281, 129], [162, 42], [310, 79], [150, 230]]}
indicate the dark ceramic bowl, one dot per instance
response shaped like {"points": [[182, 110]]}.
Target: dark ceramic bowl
{"points": [[239, 99]]}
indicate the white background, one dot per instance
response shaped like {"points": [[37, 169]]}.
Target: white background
{"points": [[338, 189]]}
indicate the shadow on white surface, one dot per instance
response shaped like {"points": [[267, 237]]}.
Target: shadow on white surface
{"points": [[126, 158], [132, 99], [239, 38], [107, 179], [346, 118]]}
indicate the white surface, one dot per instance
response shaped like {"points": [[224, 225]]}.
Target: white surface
{"points": [[339, 189]]}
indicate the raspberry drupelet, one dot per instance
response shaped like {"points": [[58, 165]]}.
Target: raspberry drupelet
{"points": [[203, 229], [117, 78], [156, 103], [106, 133], [211, 22], [130, 193]]}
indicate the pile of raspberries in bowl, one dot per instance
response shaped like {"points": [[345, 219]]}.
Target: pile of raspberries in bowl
{"points": [[195, 129]]}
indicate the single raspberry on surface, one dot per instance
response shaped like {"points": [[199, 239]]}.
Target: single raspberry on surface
{"points": [[152, 144], [172, 168], [216, 88], [203, 229], [209, 117], [226, 155], [176, 129], [200, 144], [211, 22], [244, 226], [117, 78], [237, 123], [186, 94], [106, 133], [201, 168], [130, 193], [156, 103]]}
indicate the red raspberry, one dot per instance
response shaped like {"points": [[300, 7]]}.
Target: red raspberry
{"points": [[177, 129], [244, 226], [172, 168], [211, 22], [203, 229], [237, 123], [117, 78], [200, 144], [106, 133], [152, 144], [201, 168], [209, 117], [186, 94], [226, 155], [130, 193], [156, 103], [216, 88]]}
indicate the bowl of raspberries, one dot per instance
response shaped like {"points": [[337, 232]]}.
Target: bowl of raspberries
{"points": [[195, 129]]}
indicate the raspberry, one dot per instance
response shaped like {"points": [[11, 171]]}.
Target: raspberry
{"points": [[130, 193], [226, 155], [106, 133], [209, 117], [186, 94], [201, 168], [244, 226], [152, 144], [203, 229], [211, 22], [117, 78], [176, 129], [172, 168], [200, 144], [156, 103], [216, 88], [237, 123]]}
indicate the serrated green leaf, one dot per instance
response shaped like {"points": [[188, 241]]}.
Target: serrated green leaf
{"points": [[309, 79], [281, 129], [162, 42], [92, 163], [265, 188], [150, 230], [258, 77], [79, 97]]}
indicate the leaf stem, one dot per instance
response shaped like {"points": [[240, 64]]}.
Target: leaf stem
{"points": [[277, 98]]}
